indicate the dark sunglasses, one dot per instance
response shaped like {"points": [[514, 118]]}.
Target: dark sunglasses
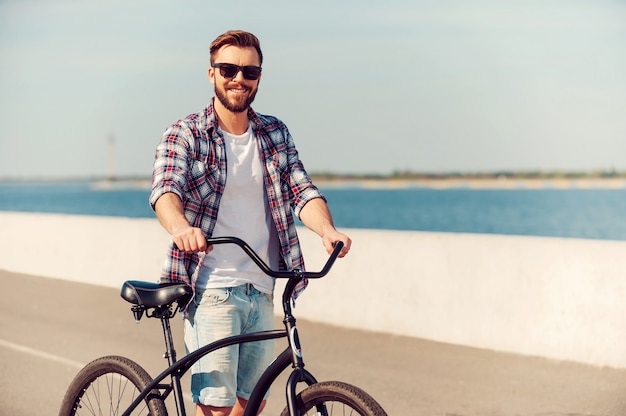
{"points": [[249, 72]]}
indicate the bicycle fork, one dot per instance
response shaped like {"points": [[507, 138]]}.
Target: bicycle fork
{"points": [[299, 374]]}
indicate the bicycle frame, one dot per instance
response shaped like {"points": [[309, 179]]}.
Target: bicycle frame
{"points": [[291, 355], [177, 369], [180, 367]]}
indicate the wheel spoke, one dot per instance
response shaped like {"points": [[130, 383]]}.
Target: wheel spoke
{"points": [[107, 387], [332, 398]]}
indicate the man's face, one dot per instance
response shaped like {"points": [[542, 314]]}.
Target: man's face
{"points": [[236, 94]]}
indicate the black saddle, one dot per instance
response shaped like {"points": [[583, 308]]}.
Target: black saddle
{"points": [[151, 295]]}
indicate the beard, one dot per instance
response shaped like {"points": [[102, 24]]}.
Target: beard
{"points": [[232, 105]]}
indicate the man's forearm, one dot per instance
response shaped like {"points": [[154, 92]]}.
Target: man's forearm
{"points": [[169, 211], [316, 216], [171, 215]]}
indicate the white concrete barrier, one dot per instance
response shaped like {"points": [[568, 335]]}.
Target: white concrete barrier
{"points": [[548, 297]]}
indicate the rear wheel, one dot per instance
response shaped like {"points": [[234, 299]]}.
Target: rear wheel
{"points": [[335, 398], [107, 386]]}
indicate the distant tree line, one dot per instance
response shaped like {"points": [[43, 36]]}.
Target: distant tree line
{"points": [[399, 174], [532, 174]]}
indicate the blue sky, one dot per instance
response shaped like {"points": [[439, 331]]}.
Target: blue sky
{"points": [[365, 87]]}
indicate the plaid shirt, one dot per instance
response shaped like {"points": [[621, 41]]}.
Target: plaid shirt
{"points": [[190, 161]]}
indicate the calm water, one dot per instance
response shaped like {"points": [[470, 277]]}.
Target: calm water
{"points": [[579, 213]]}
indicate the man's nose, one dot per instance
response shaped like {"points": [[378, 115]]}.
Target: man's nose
{"points": [[239, 76]]}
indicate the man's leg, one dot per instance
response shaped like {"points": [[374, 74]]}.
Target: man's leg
{"points": [[214, 315], [254, 357]]}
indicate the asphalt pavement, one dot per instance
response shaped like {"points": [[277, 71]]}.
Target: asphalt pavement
{"points": [[49, 328]]}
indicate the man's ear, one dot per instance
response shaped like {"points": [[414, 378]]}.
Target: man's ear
{"points": [[211, 75]]}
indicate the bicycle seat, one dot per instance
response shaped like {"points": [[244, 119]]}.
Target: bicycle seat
{"points": [[150, 294]]}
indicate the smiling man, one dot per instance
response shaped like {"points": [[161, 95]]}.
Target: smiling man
{"points": [[229, 171]]}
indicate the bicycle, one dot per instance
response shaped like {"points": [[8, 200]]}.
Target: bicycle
{"points": [[115, 385]]}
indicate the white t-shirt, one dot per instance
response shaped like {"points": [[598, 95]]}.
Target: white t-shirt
{"points": [[243, 213]]}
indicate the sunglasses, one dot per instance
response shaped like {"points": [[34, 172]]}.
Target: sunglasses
{"points": [[249, 72]]}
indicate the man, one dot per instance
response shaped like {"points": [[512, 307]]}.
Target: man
{"points": [[228, 171]]}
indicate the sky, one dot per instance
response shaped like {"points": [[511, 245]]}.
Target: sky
{"points": [[365, 87]]}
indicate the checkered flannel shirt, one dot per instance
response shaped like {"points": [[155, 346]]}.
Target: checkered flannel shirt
{"points": [[190, 161]]}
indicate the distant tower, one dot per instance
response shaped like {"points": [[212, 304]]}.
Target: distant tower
{"points": [[111, 158]]}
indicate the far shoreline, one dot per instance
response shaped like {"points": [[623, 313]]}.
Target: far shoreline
{"points": [[382, 182], [475, 183]]}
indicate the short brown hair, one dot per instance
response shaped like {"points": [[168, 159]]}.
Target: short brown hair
{"points": [[236, 38]]}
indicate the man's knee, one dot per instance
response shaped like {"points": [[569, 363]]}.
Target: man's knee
{"points": [[204, 410], [236, 410], [241, 405]]}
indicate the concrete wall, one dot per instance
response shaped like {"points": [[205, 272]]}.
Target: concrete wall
{"points": [[548, 297]]}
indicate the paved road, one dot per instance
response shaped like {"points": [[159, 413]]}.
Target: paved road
{"points": [[49, 328]]}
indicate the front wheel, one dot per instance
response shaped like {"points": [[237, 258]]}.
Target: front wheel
{"points": [[330, 398], [107, 386]]}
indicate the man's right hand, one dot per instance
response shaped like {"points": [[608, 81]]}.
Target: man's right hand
{"points": [[169, 211], [190, 240]]}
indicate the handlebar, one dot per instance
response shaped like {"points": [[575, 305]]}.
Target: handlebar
{"points": [[282, 274], [294, 276]]}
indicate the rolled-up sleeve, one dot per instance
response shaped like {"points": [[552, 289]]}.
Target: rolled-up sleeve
{"points": [[304, 195], [170, 164], [302, 188]]}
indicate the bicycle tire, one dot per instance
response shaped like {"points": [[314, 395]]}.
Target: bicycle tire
{"points": [[337, 398], [107, 386]]}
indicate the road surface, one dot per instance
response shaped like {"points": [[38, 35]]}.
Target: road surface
{"points": [[49, 328]]}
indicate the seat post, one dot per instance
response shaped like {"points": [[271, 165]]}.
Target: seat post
{"points": [[170, 354]]}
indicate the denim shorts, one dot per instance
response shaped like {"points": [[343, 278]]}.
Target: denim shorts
{"points": [[222, 375]]}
